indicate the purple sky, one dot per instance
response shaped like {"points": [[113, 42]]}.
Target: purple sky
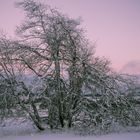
{"points": [[113, 24]]}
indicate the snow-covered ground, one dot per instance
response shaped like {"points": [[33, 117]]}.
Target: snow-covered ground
{"points": [[124, 136], [21, 129]]}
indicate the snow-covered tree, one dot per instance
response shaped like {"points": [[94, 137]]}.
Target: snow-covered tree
{"points": [[52, 67]]}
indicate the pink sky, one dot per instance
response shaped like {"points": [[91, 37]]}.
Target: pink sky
{"points": [[113, 24]]}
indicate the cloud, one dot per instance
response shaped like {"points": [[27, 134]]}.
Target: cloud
{"points": [[132, 67]]}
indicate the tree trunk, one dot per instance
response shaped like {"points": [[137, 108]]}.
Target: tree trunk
{"points": [[35, 111], [58, 87], [34, 119], [36, 122]]}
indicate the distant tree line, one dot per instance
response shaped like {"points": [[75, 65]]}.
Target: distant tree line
{"points": [[52, 67]]}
